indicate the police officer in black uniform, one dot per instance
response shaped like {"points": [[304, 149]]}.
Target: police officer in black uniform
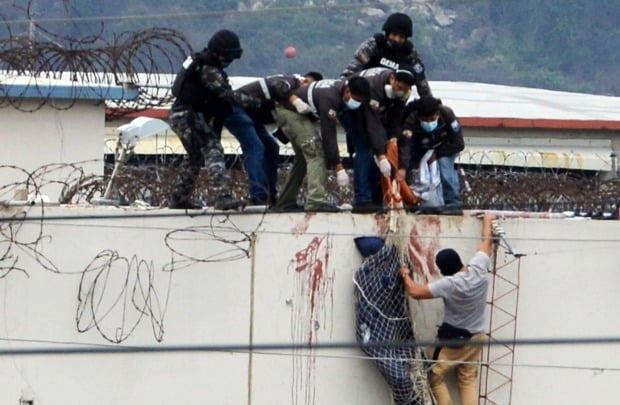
{"points": [[260, 148], [204, 99], [391, 49], [377, 121], [431, 125]]}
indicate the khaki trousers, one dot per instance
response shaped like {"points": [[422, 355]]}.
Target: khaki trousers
{"points": [[466, 374], [309, 160]]}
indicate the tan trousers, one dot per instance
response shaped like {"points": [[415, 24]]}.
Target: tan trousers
{"points": [[466, 374], [309, 160]]}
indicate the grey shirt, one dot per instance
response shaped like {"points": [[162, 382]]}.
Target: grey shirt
{"points": [[464, 295]]}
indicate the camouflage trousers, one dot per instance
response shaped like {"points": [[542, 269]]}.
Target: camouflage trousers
{"points": [[202, 145]]}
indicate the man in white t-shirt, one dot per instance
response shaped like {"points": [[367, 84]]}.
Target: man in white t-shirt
{"points": [[464, 291]]}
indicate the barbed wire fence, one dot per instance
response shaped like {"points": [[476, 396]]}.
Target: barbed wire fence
{"points": [[150, 182], [489, 188], [33, 58], [143, 59]]}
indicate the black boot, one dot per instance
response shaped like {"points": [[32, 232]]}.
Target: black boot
{"points": [[227, 202], [183, 190], [185, 205]]}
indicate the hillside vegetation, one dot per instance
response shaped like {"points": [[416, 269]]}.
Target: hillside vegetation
{"points": [[555, 44]]}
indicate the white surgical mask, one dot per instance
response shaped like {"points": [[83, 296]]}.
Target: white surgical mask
{"points": [[391, 93], [405, 96], [353, 104], [429, 126]]}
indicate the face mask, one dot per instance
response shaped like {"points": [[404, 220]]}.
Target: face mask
{"points": [[405, 96], [394, 45], [391, 93], [353, 104], [429, 126]]}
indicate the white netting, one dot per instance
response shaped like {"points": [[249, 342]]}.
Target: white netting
{"points": [[383, 317]]}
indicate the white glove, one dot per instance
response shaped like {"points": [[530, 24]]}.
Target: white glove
{"points": [[301, 106], [384, 166], [342, 178]]}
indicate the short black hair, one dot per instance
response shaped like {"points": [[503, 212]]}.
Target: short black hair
{"points": [[316, 76], [448, 261], [405, 75], [359, 86], [427, 106]]}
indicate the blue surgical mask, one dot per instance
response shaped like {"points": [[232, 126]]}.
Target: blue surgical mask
{"points": [[429, 126], [353, 104]]}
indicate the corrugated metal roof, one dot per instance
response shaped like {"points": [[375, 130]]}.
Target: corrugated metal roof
{"points": [[560, 154], [492, 105], [480, 105], [567, 154], [17, 86], [498, 101]]}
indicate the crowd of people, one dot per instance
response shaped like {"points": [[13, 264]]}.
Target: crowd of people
{"points": [[390, 135], [387, 134]]}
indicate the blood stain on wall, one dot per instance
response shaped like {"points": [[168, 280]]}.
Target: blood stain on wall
{"points": [[312, 312], [423, 244]]}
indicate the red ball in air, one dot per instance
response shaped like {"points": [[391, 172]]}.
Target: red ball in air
{"points": [[290, 52]]}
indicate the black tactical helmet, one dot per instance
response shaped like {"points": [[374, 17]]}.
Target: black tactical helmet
{"points": [[399, 23], [225, 43]]}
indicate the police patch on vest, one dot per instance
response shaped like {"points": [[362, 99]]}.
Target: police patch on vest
{"points": [[456, 127], [325, 83], [187, 62], [375, 71], [407, 133], [389, 63], [418, 68]]}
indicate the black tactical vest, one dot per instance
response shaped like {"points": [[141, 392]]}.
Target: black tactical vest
{"points": [[187, 87], [388, 57]]}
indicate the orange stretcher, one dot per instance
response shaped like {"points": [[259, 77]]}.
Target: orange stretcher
{"points": [[396, 192]]}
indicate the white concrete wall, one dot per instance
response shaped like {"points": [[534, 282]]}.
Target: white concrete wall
{"points": [[569, 283], [34, 134], [208, 284]]}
